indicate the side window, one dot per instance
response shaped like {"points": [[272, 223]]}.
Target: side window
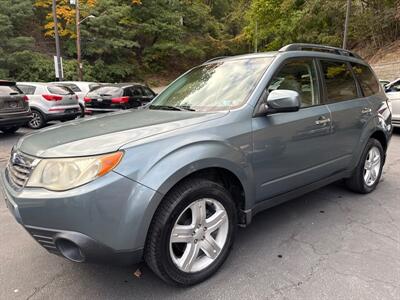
{"points": [[298, 75], [339, 81], [146, 91], [128, 92], [395, 87], [136, 91], [366, 78], [27, 89]]}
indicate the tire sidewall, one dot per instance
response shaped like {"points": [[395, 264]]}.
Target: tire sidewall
{"points": [[371, 143], [208, 190]]}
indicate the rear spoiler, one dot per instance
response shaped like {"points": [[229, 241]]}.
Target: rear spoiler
{"points": [[7, 83]]}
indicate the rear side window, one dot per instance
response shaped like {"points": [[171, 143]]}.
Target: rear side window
{"points": [[147, 91], [27, 89], [366, 79], [59, 90], [6, 90], [339, 81]]}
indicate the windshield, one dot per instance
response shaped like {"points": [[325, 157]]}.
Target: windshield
{"points": [[213, 87]]}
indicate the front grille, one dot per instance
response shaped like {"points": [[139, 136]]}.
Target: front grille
{"points": [[19, 169], [44, 238]]}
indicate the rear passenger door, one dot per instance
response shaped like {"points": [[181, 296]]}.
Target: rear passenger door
{"points": [[350, 110]]}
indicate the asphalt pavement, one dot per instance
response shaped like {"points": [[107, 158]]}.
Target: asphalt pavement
{"points": [[328, 244]]}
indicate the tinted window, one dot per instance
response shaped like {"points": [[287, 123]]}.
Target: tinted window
{"points": [[59, 90], [147, 91], [114, 91], [395, 87], [300, 76], [6, 90], [137, 91], [339, 81], [214, 86], [27, 89], [366, 79]]}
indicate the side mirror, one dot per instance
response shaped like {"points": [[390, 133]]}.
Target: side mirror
{"points": [[282, 101]]}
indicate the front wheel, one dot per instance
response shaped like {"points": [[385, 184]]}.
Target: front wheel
{"points": [[368, 172], [191, 233]]}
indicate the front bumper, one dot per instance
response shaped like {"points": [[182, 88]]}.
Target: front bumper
{"points": [[106, 220]]}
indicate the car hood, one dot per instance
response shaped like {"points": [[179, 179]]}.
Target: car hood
{"points": [[107, 133]]}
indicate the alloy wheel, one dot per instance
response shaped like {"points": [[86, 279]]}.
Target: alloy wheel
{"points": [[372, 166], [36, 121], [199, 235]]}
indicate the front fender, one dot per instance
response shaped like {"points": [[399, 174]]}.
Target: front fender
{"points": [[175, 160]]}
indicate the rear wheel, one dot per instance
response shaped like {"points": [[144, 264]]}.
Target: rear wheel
{"points": [[9, 130], [369, 170], [191, 233], [37, 120]]}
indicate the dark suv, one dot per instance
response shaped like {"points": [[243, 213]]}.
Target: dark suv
{"points": [[170, 182], [114, 97], [14, 107]]}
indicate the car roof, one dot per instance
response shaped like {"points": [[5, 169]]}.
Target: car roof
{"points": [[123, 85]]}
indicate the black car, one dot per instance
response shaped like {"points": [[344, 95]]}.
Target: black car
{"points": [[14, 107], [113, 97]]}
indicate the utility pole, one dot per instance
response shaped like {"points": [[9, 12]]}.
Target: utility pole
{"points": [[256, 38], [346, 24], [78, 41], [58, 52]]}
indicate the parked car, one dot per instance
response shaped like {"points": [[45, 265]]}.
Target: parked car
{"points": [[393, 92], [14, 107], [49, 102], [384, 82], [80, 88], [170, 182], [114, 97]]}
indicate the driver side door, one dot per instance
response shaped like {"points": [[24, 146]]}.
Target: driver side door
{"points": [[293, 149]]}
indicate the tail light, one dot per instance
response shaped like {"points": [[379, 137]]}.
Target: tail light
{"points": [[124, 99], [52, 97], [87, 99], [26, 99]]}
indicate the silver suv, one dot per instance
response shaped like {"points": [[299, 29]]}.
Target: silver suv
{"points": [[170, 182], [49, 102]]}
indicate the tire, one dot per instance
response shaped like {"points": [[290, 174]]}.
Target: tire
{"points": [[37, 121], [161, 250], [82, 115], [9, 130], [358, 181]]}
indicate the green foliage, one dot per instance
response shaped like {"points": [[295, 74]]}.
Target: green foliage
{"points": [[137, 40]]}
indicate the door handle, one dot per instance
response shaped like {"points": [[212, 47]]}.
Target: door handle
{"points": [[366, 110], [322, 121]]}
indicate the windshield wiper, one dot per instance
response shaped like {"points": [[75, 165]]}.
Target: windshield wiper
{"points": [[165, 107]]}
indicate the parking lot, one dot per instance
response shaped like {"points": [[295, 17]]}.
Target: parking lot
{"points": [[329, 244]]}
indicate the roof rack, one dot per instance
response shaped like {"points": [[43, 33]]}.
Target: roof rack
{"points": [[319, 48], [215, 58]]}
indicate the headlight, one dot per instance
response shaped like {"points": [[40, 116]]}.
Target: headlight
{"points": [[67, 173]]}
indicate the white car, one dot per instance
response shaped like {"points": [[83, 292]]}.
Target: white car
{"points": [[80, 88], [49, 102], [393, 92]]}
